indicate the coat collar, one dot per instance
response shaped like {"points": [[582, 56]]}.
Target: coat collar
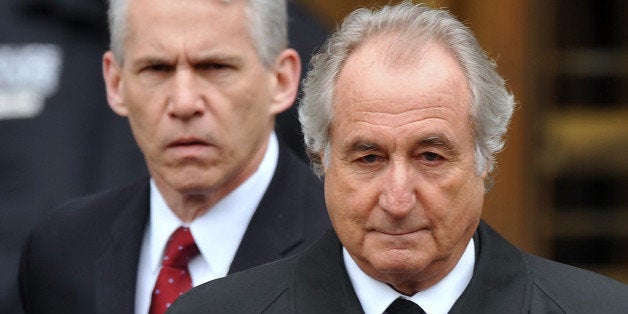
{"points": [[273, 231], [321, 283], [501, 281], [116, 268]]}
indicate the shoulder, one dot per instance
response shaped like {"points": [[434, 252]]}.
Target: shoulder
{"points": [[250, 291], [64, 250], [95, 209], [106, 198], [542, 286], [573, 289], [81, 223]]}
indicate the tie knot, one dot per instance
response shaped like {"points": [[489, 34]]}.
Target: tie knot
{"points": [[403, 306], [180, 248]]}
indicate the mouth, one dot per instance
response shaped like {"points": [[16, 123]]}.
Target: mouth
{"points": [[188, 142], [401, 232]]}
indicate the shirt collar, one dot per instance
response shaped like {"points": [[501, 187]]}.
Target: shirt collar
{"points": [[375, 296], [218, 231]]}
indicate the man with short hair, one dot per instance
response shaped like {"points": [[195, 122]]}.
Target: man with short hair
{"points": [[201, 82], [403, 114]]}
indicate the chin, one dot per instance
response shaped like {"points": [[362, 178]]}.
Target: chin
{"points": [[192, 184], [194, 190], [399, 261]]}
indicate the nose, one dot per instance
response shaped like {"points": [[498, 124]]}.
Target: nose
{"points": [[186, 100], [397, 196]]}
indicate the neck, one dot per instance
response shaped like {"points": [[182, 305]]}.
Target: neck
{"points": [[189, 207], [188, 203]]}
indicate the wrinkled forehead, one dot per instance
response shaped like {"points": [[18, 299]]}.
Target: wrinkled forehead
{"points": [[380, 68]]}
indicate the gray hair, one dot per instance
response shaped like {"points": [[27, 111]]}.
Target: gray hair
{"points": [[491, 104], [268, 24]]}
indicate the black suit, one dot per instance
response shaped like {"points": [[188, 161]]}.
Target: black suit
{"points": [[84, 259], [505, 280]]}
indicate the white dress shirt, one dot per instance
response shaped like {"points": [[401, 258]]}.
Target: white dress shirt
{"points": [[375, 296], [217, 233]]}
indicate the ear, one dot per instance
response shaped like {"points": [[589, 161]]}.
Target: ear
{"points": [[112, 72], [287, 73]]}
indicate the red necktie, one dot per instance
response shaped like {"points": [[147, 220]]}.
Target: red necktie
{"points": [[174, 277]]}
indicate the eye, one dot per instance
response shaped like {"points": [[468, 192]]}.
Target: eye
{"points": [[158, 67], [213, 66], [369, 159], [431, 156]]}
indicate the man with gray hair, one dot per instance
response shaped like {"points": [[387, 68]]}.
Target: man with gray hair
{"points": [[200, 82], [403, 114]]}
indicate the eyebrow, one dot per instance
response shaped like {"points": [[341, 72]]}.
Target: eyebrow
{"points": [[216, 57], [147, 60], [438, 139], [202, 58], [360, 145]]}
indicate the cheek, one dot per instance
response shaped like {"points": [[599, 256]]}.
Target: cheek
{"points": [[347, 211], [461, 206], [244, 113], [251, 95], [145, 141], [144, 122], [145, 125], [145, 106], [336, 198], [349, 201]]}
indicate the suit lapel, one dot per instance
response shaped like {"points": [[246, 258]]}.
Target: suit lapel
{"points": [[116, 269], [277, 225], [500, 282], [322, 284]]}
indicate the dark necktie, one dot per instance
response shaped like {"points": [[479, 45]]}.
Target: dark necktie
{"points": [[174, 276], [403, 306]]}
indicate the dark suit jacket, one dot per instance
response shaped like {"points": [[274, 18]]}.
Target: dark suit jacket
{"points": [[505, 280], [84, 259]]}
